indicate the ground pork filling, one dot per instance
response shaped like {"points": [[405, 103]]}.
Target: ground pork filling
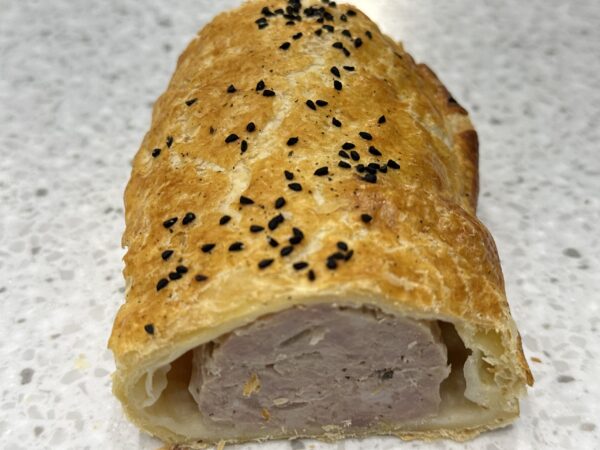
{"points": [[321, 365]]}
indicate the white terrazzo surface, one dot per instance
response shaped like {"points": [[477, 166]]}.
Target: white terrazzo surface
{"points": [[77, 80]]}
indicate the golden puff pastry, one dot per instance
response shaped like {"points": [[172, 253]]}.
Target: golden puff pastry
{"points": [[304, 258]]}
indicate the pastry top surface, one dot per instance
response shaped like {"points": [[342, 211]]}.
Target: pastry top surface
{"points": [[257, 113]]}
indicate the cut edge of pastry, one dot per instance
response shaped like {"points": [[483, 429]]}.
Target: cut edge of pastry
{"points": [[481, 395]]}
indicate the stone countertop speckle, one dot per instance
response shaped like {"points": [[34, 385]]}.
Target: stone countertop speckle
{"points": [[77, 82]]}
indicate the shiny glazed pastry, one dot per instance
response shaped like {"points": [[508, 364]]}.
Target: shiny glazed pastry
{"points": [[304, 258]]}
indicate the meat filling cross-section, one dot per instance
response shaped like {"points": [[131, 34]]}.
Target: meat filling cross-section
{"points": [[321, 365]]}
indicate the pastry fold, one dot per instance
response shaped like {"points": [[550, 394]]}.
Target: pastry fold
{"points": [[307, 177]]}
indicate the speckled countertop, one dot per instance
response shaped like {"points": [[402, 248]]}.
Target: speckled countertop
{"points": [[77, 81]]}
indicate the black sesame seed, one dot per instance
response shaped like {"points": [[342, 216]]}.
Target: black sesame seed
{"points": [[169, 141], [343, 18], [260, 85], [349, 255], [329, 28], [374, 166], [262, 25], [175, 276], [374, 151], [264, 263], [327, 15], [285, 46], [348, 145], [155, 152], [336, 123], [231, 89], [344, 165], [369, 35], [337, 84], [383, 169], [336, 255], [319, 32], [206, 248], [223, 220], [292, 141], [268, 93], [279, 11], [200, 277], [266, 11], [260, 20], [360, 168], [166, 254], [342, 246], [149, 328], [231, 138], [295, 187], [311, 275], [334, 70], [358, 42], [393, 164], [181, 269], [370, 178], [191, 101], [246, 200], [290, 22], [161, 284], [321, 103], [250, 127], [311, 105], [381, 119], [273, 242], [188, 218], [347, 33], [286, 250], [346, 51], [236, 246], [351, 12], [275, 222], [337, 45], [243, 146], [366, 136], [170, 222], [331, 264], [354, 155], [279, 203], [300, 265], [343, 154], [366, 218], [297, 237], [322, 171], [349, 68], [256, 228], [288, 175], [297, 36]]}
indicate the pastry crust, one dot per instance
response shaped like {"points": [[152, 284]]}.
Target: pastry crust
{"points": [[424, 254]]}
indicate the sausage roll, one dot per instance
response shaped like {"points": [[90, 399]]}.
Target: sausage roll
{"points": [[304, 257]]}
